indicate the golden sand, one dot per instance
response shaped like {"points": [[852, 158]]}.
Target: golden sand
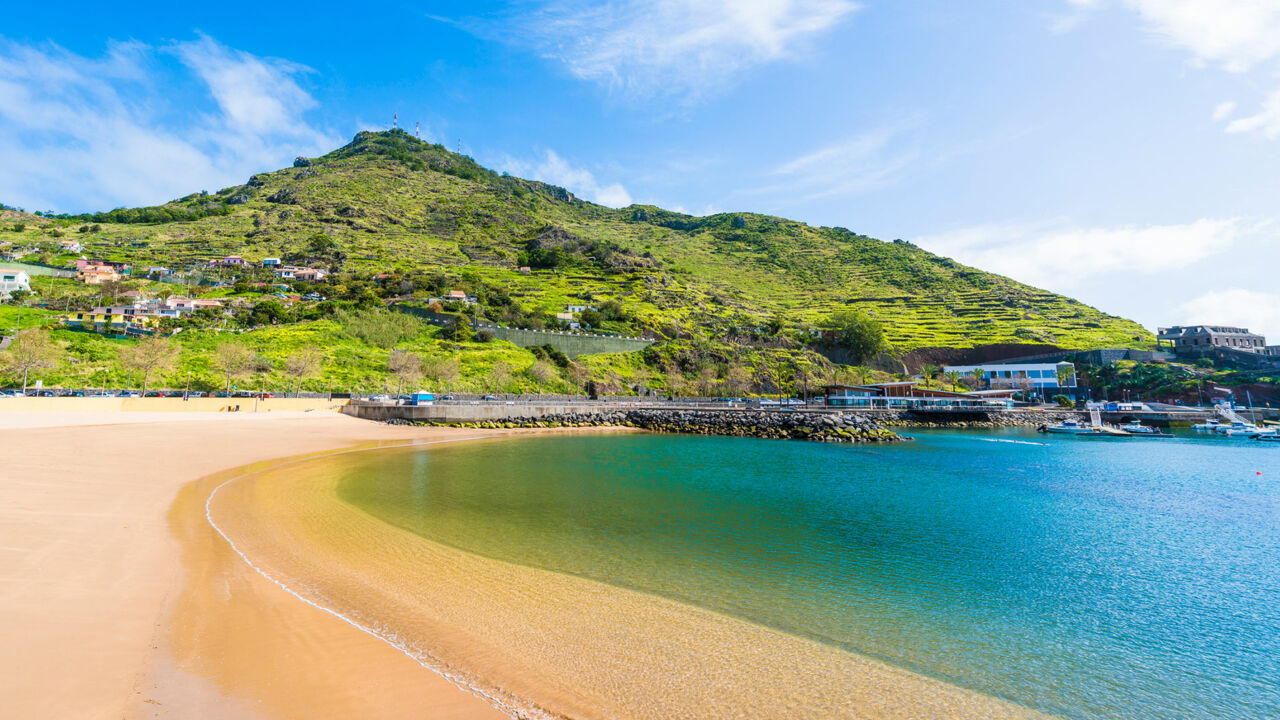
{"points": [[90, 572], [549, 643]]}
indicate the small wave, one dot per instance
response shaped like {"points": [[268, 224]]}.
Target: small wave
{"points": [[1014, 442], [419, 657]]}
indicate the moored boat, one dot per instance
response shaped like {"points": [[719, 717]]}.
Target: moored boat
{"points": [[1139, 430], [1071, 427]]}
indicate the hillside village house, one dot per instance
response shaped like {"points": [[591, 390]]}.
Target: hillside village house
{"points": [[96, 274], [229, 261], [1198, 339], [11, 280], [71, 246], [1031, 376], [271, 262], [305, 274]]}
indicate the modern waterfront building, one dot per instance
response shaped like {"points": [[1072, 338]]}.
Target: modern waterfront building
{"points": [[11, 280], [1199, 339], [1273, 351], [910, 396], [1020, 376]]}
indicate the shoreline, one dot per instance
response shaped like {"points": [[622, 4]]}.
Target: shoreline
{"points": [[122, 600], [486, 621]]}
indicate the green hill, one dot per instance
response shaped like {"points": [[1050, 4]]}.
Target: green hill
{"points": [[394, 204]]}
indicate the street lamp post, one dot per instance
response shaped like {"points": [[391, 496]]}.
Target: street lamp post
{"points": [[186, 395], [330, 388]]}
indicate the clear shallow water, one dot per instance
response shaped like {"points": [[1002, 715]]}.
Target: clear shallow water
{"points": [[1086, 578]]}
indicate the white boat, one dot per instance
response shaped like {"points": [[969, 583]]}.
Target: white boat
{"points": [[1071, 427], [1139, 430], [1208, 426], [1235, 428]]}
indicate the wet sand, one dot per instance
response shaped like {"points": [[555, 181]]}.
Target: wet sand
{"points": [[552, 644], [91, 572]]}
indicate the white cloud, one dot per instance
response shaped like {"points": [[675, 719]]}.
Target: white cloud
{"points": [[848, 167], [675, 47], [581, 182], [80, 133], [1258, 311], [1233, 34], [1237, 36], [1265, 122], [1059, 257]]}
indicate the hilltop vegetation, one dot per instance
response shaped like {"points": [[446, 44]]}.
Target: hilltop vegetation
{"points": [[392, 203], [397, 220]]}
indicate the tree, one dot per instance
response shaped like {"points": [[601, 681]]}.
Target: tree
{"points": [[500, 377], [302, 365], [857, 332], [153, 355], [31, 349], [578, 375], [707, 381], [542, 372], [929, 372], [406, 366], [445, 371], [953, 377], [980, 376], [232, 361], [1064, 375]]}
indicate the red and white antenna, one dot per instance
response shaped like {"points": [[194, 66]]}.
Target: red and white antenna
{"points": [[395, 120], [416, 125]]}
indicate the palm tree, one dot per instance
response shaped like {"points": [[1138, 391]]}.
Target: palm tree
{"points": [[929, 372], [953, 377], [980, 375]]}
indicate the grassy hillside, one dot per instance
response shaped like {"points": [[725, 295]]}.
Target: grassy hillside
{"points": [[388, 203]]}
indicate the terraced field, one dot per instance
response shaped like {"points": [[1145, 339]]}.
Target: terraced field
{"points": [[393, 204]]}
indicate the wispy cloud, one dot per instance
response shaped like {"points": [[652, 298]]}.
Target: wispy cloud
{"points": [[83, 133], [551, 168], [850, 166], [1059, 256], [1258, 311], [1236, 36], [682, 48]]}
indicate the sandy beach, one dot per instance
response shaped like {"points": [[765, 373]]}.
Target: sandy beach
{"points": [[123, 598], [91, 570]]}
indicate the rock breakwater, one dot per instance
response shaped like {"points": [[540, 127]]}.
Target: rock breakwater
{"points": [[814, 427]]}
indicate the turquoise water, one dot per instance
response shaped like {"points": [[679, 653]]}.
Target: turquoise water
{"points": [[1086, 578]]}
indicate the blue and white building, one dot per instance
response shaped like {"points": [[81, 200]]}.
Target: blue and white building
{"points": [[1020, 376]]}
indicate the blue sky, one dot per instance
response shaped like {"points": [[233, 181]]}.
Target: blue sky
{"points": [[1126, 152]]}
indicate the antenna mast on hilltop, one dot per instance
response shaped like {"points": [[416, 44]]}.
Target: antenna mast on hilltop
{"points": [[395, 120], [417, 124]]}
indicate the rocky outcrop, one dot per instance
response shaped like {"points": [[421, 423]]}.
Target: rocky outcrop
{"points": [[815, 427]]}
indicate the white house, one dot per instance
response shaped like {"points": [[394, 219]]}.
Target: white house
{"points": [[11, 280], [1021, 375]]}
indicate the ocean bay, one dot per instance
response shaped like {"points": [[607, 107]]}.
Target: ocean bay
{"points": [[1081, 578]]}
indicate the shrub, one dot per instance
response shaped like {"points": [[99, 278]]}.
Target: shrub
{"points": [[19, 227], [1064, 401], [379, 328]]}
